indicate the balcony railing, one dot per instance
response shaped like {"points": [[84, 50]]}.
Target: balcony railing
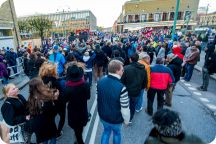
{"points": [[140, 21]]}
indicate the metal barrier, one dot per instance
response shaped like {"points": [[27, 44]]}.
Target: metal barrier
{"points": [[18, 67]]}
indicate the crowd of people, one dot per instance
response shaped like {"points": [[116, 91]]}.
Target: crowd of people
{"points": [[63, 72]]}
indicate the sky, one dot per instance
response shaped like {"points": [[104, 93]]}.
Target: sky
{"points": [[106, 11]]}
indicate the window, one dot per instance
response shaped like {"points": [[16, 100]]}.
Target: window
{"points": [[172, 15], [187, 15], [130, 18], [137, 18], [180, 16], [150, 17], [164, 17], [157, 17], [143, 17]]}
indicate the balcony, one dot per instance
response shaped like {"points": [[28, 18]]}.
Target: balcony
{"points": [[149, 20]]}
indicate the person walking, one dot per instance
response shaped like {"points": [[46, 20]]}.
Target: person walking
{"points": [[209, 66], [58, 59], [191, 61], [144, 60], [77, 92], [113, 106], [135, 80], [161, 77], [48, 73], [42, 111], [11, 58], [174, 63]]}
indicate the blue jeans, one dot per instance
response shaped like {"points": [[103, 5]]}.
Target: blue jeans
{"points": [[133, 103], [50, 141], [108, 128], [189, 71], [139, 104], [88, 76]]}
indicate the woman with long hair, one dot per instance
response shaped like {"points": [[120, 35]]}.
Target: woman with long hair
{"points": [[42, 111], [48, 73], [77, 92]]}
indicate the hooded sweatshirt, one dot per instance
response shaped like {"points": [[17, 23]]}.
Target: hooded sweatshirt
{"points": [[134, 78]]}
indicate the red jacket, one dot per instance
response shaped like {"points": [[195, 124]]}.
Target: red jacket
{"points": [[161, 77], [177, 51]]}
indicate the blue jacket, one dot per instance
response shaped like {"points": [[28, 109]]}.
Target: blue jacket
{"points": [[89, 62], [59, 60], [109, 91]]}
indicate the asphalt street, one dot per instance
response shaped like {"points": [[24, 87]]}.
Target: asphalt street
{"points": [[197, 110]]}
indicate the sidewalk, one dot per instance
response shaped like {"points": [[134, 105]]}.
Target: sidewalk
{"points": [[200, 64], [20, 81]]}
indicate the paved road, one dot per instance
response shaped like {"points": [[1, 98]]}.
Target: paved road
{"points": [[196, 117], [197, 111]]}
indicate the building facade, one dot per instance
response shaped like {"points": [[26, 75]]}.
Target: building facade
{"points": [[9, 31], [137, 14], [65, 22], [208, 20]]}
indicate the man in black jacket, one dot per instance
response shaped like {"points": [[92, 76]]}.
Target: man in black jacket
{"points": [[135, 80], [209, 65]]}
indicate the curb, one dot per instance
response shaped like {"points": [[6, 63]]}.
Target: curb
{"points": [[198, 68], [192, 96]]}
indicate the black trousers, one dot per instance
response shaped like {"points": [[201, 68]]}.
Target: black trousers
{"points": [[78, 133], [61, 112], [160, 99]]}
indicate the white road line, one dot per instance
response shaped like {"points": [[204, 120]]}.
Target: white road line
{"points": [[197, 93], [191, 88], [94, 131], [211, 106], [187, 84], [86, 129], [204, 99]]}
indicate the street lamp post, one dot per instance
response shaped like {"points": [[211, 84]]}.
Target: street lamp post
{"points": [[175, 18]]}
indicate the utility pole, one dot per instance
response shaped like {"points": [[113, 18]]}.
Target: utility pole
{"points": [[175, 18], [13, 14], [207, 14]]}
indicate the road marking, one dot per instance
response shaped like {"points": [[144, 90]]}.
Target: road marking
{"points": [[94, 131], [197, 93], [187, 84], [191, 88], [211, 106], [86, 129], [204, 99], [182, 80]]}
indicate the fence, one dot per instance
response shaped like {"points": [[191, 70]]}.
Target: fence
{"points": [[17, 69]]}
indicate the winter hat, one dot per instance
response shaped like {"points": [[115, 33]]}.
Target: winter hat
{"points": [[167, 123], [74, 73], [55, 47]]}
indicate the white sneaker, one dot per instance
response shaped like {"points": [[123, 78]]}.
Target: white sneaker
{"points": [[139, 110]]}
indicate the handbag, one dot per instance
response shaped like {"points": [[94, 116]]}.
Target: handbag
{"points": [[15, 132]]}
